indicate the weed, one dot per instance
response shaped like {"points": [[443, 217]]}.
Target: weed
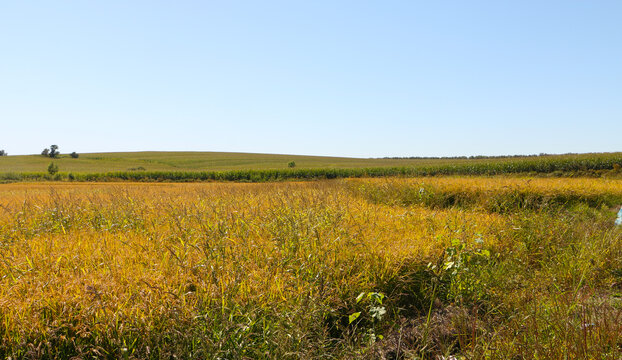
{"points": [[273, 270]]}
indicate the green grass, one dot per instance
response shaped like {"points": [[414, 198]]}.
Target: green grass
{"points": [[188, 161], [202, 166], [221, 161]]}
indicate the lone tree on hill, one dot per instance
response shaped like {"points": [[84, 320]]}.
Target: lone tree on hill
{"points": [[3, 153], [45, 152], [74, 155]]}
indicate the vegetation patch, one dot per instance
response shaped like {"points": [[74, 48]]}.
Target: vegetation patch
{"points": [[186, 167], [288, 270], [501, 195]]}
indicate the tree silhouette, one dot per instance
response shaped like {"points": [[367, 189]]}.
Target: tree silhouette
{"points": [[54, 151]]}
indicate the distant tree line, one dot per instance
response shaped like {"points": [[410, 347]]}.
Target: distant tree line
{"points": [[470, 157]]}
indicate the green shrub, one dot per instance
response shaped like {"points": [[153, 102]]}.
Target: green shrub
{"points": [[52, 168]]}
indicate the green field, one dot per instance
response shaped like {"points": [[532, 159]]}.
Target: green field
{"points": [[201, 166], [207, 161], [198, 161]]}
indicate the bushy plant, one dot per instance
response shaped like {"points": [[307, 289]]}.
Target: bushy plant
{"points": [[368, 319], [52, 168]]}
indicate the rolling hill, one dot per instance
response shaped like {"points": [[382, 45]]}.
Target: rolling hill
{"points": [[200, 166]]}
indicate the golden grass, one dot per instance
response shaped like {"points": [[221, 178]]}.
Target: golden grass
{"points": [[213, 269], [581, 186]]}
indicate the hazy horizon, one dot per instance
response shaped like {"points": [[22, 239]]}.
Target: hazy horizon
{"points": [[335, 156]]}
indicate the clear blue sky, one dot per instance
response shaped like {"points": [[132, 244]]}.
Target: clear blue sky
{"points": [[349, 78]]}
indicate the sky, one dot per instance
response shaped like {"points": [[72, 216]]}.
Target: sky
{"points": [[338, 78]]}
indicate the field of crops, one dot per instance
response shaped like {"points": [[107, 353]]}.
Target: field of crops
{"points": [[392, 268], [205, 166]]}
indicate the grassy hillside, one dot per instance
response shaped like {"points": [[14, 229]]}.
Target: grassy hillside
{"points": [[188, 161], [200, 166]]}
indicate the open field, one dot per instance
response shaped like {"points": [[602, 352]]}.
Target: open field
{"points": [[184, 161], [205, 166], [417, 268]]}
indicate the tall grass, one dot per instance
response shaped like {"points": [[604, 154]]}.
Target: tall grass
{"points": [[503, 195], [276, 271]]}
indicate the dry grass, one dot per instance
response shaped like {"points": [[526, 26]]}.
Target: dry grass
{"points": [[273, 270]]}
